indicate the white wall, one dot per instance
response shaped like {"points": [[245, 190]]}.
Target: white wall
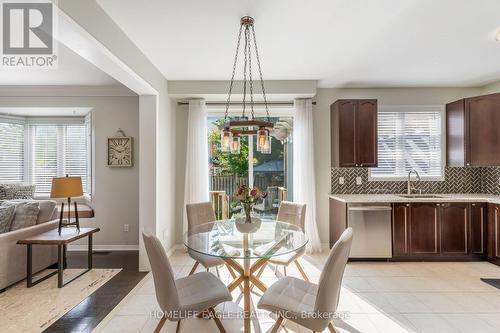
{"points": [[116, 190], [491, 88], [387, 96], [157, 121]]}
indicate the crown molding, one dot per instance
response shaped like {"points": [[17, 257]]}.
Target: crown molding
{"points": [[64, 91]]}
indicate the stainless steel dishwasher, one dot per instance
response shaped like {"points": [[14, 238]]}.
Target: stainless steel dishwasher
{"points": [[371, 224]]}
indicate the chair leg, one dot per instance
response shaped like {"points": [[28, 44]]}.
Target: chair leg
{"points": [[284, 270], [194, 268], [299, 267], [160, 324], [331, 328], [277, 325], [179, 325], [217, 320]]}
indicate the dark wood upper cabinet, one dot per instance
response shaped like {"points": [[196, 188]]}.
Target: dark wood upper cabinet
{"points": [[472, 133], [478, 228], [424, 229], [354, 133], [454, 233]]}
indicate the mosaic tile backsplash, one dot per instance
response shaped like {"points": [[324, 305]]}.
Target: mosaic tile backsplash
{"points": [[457, 180]]}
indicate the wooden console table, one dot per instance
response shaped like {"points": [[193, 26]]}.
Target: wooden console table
{"points": [[52, 237]]}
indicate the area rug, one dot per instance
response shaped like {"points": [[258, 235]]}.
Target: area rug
{"points": [[27, 310]]}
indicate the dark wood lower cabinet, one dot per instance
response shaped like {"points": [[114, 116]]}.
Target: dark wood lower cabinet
{"points": [[424, 229], [442, 230], [454, 221], [494, 232], [400, 225], [478, 218]]}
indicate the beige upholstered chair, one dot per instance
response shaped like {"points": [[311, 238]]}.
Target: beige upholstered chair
{"points": [[306, 303], [197, 214], [293, 213], [183, 297]]}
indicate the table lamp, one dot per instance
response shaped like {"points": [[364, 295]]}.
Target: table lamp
{"points": [[67, 187]]}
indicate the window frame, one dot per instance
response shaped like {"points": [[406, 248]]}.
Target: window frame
{"points": [[29, 122], [417, 108]]}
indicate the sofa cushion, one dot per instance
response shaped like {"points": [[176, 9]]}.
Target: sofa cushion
{"points": [[26, 215], [19, 191], [6, 216]]}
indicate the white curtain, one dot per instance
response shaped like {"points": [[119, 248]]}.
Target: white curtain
{"points": [[196, 180], [304, 183]]}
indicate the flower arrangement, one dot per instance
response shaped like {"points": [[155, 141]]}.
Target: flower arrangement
{"points": [[248, 197]]}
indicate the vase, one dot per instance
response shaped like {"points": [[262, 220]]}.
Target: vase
{"points": [[248, 212]]}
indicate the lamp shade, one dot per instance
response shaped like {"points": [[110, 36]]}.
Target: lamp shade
{"points": [[66, 187]]}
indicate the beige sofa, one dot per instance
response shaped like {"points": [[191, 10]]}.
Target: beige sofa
{"points": [[13, 256]]}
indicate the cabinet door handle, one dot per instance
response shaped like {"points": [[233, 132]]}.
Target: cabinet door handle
{"points": [[407, 205], [473, 205], [468, 164]]}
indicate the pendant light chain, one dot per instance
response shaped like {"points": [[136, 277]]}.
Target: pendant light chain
{"points": [[245, 72], [260, 74], [250, 74], [232, 75]]}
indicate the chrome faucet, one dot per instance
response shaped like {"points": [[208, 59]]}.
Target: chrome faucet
{"points": [[409, 187]]}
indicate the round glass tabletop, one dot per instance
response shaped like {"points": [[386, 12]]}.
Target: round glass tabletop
{"points": [[230, 239]]}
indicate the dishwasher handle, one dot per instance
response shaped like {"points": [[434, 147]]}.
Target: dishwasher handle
{"points": [[370, 208]]}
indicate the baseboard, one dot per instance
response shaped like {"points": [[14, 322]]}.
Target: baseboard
{"points": [[84, 247]]}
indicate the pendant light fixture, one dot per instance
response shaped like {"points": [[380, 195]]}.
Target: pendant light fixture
{"points": [[233, 128]]}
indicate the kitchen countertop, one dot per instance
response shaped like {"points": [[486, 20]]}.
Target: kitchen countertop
{"points": [[390, 198]]}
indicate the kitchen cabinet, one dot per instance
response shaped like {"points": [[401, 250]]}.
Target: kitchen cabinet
{"points": [[354, 133], [494, 231], [472, 134], [400, 225], [478, 218], [439, 230], [424, 229], [454, 228]]}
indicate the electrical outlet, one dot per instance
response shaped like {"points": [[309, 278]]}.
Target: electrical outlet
{"points": [[341, 180], [359, 181], [125, 227]]}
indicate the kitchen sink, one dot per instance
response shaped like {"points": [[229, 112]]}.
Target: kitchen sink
{"points": [[423, 196]]}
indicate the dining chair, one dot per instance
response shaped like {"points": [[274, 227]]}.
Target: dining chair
{"points": [[307, 304], [184, 297], [197, 214], [293, 213]]}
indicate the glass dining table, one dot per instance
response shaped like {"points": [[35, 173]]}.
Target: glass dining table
{"points": [[246, 249]]}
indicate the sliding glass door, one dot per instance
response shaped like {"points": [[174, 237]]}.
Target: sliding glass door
{"points": [[271, 173]]}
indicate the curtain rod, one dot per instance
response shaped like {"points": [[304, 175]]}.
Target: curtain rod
{"points": [[248, 104]]}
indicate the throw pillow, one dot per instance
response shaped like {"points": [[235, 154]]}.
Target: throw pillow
{"points": [[6, 215], [26, 215], [3, 190], [19, 192]]}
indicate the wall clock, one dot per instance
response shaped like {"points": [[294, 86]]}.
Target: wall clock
{"points": [[120, 150]]}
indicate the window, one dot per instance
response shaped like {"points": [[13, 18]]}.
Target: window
{"points": [[409, 138], [11, 152], [40, 149]]}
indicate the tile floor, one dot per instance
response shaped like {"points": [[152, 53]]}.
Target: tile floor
{"points": [[375, 297]]}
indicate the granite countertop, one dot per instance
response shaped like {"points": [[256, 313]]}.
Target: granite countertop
{"points": [[389, 198]]}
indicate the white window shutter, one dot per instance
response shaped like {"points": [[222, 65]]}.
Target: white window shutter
{"points": [[409, 138], [11, 152]]}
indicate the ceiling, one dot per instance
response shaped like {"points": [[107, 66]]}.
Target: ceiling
{"points": [[341, 43], [72, 70]]}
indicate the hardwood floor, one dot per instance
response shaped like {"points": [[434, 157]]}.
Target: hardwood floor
{"points": [[86, 316]]}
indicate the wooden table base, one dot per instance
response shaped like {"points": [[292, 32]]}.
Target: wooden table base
{"points": [[247, 279]]}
